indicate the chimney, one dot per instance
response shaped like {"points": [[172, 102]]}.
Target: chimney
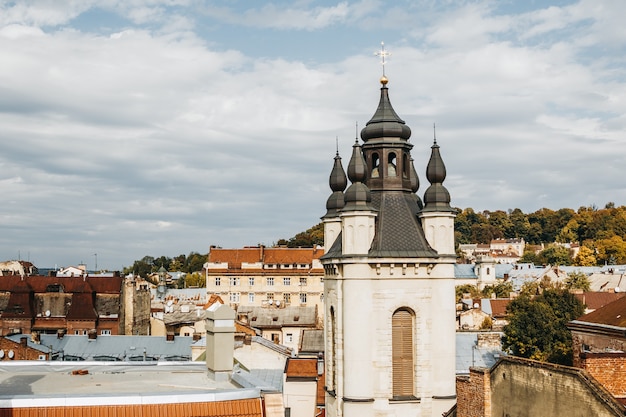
{"points": [[169, 337], [92, 335], [220, 341], [24, 341]]}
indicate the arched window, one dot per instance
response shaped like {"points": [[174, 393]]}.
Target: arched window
{"points": [[391, 165], [375, 165], [402, 353], [333, 350]]}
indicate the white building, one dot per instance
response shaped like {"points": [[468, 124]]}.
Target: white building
{"points": [[389, 279]]}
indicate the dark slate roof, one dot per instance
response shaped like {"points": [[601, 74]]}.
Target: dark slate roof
{"points": [[398, 230]]}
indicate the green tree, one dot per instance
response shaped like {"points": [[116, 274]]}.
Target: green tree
{"points": [[585, 257], [195, 262], [530, 257], [537, 326], [194, 280], [466, 289], [577, 280], [555, 255], [611, 250], [308, 239], [520, 225]]}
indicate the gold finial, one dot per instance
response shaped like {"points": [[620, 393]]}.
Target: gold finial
{"points": [[383, 54]]}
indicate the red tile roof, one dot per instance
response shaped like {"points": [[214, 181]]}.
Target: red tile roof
{"points": [[235, 257], [594, 300], [301, 368], [612, 314], [498, 307]]}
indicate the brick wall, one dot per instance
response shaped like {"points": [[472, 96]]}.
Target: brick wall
{"points": [[21, 351], [474, 394], [609, 369]]}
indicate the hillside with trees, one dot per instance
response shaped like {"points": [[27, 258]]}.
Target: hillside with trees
{"points": [[601, 233]]}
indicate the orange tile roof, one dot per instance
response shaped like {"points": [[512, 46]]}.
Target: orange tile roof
{"points": [[242, 328], [498, 307], [290, 256], [236, 408], [301, 368]]}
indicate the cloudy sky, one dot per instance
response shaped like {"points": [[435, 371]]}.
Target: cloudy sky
{"points": [[160, 127]]}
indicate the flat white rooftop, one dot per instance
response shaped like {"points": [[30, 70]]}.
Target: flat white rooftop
{"points": [[98, 383]]}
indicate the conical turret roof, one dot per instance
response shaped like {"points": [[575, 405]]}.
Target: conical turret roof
{"points": [[385, 123]]}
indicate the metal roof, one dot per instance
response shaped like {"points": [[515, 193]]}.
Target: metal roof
{"points": [[114, 347]]}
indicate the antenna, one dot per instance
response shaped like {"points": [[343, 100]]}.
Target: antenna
{"points": [[434, 134]]}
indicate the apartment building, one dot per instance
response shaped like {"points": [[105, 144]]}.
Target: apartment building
{"points": [[271, 277]]}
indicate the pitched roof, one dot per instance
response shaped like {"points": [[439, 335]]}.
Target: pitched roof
{"points": [[312, 341], [612, 314], [265, 317], [236, 257], [595, 300], [301, 368]]}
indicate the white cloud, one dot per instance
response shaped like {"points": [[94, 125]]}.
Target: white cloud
{"points": [[144, 139]]}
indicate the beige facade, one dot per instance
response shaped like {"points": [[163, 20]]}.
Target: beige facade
{"points": [[260, 276]]}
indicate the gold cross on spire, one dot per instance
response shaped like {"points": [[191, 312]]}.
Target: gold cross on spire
{"points": [[382, 54]]}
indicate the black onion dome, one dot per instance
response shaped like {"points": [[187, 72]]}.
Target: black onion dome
{"points": [[415, 186], [385, 123], [357, 196], [415, 181], [337, 180], [357, 170], [436, 197]]}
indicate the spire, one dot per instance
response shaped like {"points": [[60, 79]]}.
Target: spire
{"points": [[338, 183], [385, 123], [436, 197], [357, 196]]}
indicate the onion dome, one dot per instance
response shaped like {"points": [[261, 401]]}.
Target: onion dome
{"points": [[436, 197], [385, 123], [357, 196], [338, 183], [415, 185]]}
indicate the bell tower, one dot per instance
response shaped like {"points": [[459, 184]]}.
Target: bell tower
{"points": [[388, 285]]}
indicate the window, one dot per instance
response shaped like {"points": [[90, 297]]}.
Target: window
{"points": [[234, 297], [333, 357], [251, 297], [289, 337], [375, 166], [287, 298], [251, 281], [286, 281], [391, 165], [402, 353], [218, 281], [302, 298], [105, 332], [303, 282], [321, 297], [233, 281], [270, 281], [270, 296]]}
